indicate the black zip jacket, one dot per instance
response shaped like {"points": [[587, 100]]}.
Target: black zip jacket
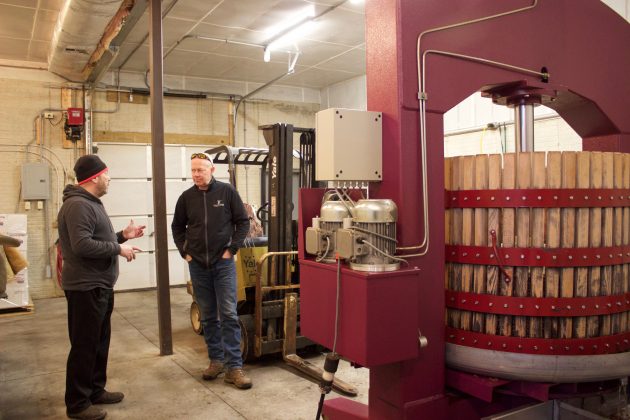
{"points": [[206, 223], [89, 245]]}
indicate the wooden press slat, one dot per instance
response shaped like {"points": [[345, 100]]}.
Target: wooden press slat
{"points": [[626, 238], [467, 176], [618, 325], [567, 238], [595, 240], [448, 267], [552, 232], [582, 229], [539, 179], [480, 237], [508, 180], [492, 282], [521, 276], [448, 185], [454, 315], [606, 282]]}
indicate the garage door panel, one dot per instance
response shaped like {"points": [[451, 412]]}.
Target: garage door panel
{"points": [[145, 243], [174, 156], [177, 268], [135, 274], [126, 198], [125, 161]]}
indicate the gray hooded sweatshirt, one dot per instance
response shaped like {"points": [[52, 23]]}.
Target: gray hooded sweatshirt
{"points": [[89, 245]]}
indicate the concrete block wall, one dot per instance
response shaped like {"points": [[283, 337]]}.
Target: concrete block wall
{"points": [[24, 94]]}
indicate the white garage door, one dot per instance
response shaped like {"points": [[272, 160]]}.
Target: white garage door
{"points": [[130, 196]]}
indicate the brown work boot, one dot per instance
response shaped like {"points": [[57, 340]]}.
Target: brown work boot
{"points": [[109, 398], [90, 413], [237, 377], [214, 369]]}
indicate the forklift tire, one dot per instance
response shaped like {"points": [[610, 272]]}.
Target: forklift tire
{"points": [[195, 318], [246, 322]]}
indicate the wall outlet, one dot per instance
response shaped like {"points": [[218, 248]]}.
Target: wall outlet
{"points": [[40, 205], [27, 205], [49, 115]]}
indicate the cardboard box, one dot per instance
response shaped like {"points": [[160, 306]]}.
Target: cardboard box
{"points": [[15, 225]]}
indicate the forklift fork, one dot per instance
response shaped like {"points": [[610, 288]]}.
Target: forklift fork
{"points": [[290, 326]]}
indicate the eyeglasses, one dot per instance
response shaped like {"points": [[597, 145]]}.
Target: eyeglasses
{"points": [[200, 156]]}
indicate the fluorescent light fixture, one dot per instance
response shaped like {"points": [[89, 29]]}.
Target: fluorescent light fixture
{"points": [[301, 16], [289, 31], [293, 36], [356, 1]]}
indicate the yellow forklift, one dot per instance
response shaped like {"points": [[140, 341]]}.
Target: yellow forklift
{"points": [[267, 266]]}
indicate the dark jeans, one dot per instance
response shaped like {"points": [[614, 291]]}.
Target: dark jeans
{"points": [[89, 314], [215, 293]]}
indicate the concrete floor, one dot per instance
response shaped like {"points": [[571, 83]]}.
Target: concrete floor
{"points": [[34, 348]]}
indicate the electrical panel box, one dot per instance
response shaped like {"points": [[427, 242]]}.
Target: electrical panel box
{"points": [[75, 116], [349, 145], [35, 181]]}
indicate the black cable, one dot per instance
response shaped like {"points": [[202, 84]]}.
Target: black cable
{"points": [[320, 406], [331, 363]]}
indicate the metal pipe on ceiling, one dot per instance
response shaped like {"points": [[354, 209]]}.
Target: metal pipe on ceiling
{"points": [[290, 71]]}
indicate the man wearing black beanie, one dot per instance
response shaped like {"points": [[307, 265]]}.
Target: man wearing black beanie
{"points": [[90, 249]]}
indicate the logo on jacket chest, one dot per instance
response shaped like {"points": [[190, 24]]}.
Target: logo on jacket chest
{"points": [[219, 203]]}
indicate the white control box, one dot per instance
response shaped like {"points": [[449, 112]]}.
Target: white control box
{"points": [[348, 145]]}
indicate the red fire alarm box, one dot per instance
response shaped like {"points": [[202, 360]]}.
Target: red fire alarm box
{"points": [[75, 116]]}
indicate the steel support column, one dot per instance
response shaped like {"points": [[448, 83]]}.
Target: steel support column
{"points": [[159, 183]]}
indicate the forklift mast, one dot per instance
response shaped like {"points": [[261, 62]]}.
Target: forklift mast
{"points": [[279, 138]]}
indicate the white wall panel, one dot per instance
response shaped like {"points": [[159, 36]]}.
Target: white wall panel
{"points": [[125, 161], [177, 268], [174, 157], [135, 274], [173, 191], [145, 243], [350, 94], [128, 197], [140, 273]]}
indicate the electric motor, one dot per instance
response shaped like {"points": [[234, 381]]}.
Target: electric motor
{"points": [[320, 238], [368, 241]]}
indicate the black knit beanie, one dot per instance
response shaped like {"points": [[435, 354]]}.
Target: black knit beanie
{"points": [[88, 167]]}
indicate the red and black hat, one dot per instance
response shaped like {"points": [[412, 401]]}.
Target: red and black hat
{"points": [[88, 167]]}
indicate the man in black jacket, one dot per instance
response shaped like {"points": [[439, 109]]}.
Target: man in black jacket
{"points": [[209, 225], [90, 249]]}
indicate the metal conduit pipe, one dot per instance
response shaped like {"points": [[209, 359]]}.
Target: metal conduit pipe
{"points": [[209, 38], [422, 98], [265, 86]]}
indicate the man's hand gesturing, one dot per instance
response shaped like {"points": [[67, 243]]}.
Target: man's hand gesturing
{"points": [[129, 252], [132, 231]]}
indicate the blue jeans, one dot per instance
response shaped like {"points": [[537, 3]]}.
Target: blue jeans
{"points": [[215, 293]]}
